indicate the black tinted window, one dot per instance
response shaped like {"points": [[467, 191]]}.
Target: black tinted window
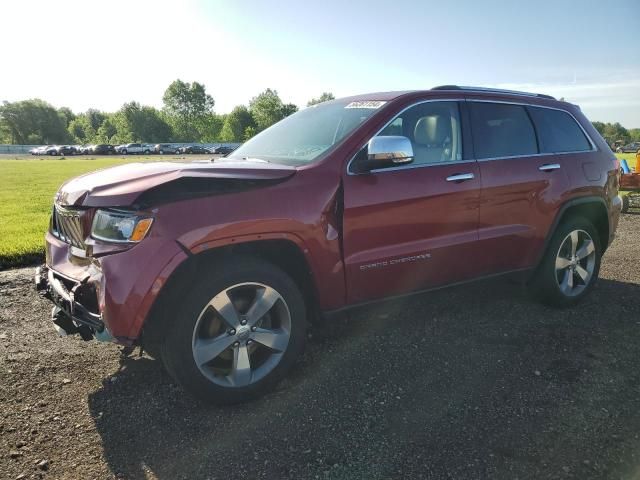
{"points": [[558, 131], [501, 130]]}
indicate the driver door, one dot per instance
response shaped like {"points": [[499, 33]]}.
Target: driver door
{"points": [[414, 226]]}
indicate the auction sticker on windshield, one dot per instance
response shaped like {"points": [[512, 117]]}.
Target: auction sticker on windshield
{"points": [[366, 104]]}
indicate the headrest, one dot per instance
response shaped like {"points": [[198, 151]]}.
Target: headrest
{"points": [[432, 130]]}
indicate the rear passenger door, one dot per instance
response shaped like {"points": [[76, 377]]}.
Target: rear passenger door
{"points": [[522, 188]]}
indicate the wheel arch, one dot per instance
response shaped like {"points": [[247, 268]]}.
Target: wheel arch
{"points": [[592, 208], [283, 253]]}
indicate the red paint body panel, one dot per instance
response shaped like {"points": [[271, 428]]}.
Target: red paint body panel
{"points": [[122, 185], [364, 237], [518, 205], [393, 216]]}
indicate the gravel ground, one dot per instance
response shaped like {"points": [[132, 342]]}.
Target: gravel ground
{"points": [[472, 382]]}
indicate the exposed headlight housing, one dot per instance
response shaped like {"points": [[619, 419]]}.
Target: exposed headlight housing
{"points": [[120, 226]]}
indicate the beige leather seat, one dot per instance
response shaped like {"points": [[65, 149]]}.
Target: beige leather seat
{"points": [[432, 139]]}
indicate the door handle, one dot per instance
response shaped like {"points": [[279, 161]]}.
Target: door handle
{"points": [[460, 177], [547, 167]]}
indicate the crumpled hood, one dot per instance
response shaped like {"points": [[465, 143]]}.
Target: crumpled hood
{"points": [[122, 185]]}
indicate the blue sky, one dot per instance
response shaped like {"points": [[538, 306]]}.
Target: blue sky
{"points": [[586, 51]]}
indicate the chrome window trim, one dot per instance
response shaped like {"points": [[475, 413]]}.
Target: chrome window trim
{"points": [[490, 159], [594, 148], [524, 104], [418, 165]]}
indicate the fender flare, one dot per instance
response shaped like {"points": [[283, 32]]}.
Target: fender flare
{"points": [[561, 211], [151, 323]]}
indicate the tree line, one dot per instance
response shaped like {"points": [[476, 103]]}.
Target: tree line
{"points": [[614, 132], [187, 115]]}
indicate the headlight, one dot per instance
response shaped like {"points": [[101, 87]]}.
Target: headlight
{"points": [[120, 226]]}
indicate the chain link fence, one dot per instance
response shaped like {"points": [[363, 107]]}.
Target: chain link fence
{"points": [[16, 148]]}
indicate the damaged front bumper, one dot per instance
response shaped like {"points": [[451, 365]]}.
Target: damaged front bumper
{"points": [[69, 315]]}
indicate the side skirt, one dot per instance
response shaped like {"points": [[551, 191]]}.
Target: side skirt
{"points": [[519, 276]]}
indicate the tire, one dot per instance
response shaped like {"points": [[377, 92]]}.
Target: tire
{"points": [[147, 152], [625, 203], [52, 154], [560, 279], [124, 151], [161, 152], [187, 344]]}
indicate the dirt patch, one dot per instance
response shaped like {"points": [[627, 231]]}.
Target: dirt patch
{"points": [[472, 382]]}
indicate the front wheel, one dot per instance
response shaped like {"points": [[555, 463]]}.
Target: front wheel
{"points": [[124, 151], [238, 333], [571, 264]]}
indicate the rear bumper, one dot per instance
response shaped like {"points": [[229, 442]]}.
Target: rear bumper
{"points": [[614, 216]]}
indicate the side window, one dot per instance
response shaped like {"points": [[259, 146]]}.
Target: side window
{"points": [[558, 131], [434, 131], [394, 128], [501, 130]]}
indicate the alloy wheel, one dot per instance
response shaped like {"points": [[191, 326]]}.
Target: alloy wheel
{"points": [[241, 334], [575, 263]]}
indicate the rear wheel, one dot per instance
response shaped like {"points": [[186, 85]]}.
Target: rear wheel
{"points": [[570, 266], [238, 333]]}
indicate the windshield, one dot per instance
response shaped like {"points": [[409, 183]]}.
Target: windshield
{"points": [[305, 135]]}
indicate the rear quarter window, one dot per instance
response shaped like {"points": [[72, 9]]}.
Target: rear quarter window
{"points": [[558, 131], [501, 130]]}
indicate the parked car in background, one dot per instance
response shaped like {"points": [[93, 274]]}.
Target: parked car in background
{"points": [[217, 269], [165, 148], [134, 148], [103, 149], [193, 149], [50, 150], [629, 148], [222, 150], [84, 149], [65, 150], [39, 150]]}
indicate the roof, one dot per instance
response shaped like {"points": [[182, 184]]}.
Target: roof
{"points": [[389, 96]]}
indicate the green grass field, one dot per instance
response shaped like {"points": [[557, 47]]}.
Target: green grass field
{"points": [[27, 186]]}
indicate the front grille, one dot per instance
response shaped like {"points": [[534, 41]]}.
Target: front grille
{"points": [[66, 224]]}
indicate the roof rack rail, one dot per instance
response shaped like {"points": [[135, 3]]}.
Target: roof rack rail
{"points": [[492, 90]]}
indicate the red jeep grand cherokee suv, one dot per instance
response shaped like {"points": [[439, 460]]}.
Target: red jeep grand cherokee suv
{"points": [[216, 267]]}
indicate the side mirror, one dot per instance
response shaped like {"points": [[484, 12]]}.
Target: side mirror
{"points": [[385, 152]]}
